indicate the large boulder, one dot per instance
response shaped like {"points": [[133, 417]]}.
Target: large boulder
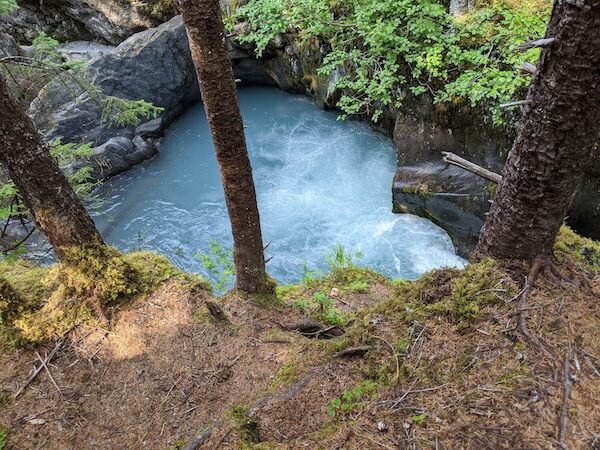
{"points": [[153, 65], [107, 21]]}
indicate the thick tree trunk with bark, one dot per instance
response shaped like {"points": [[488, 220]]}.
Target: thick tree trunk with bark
{"points": [[560, 126], [43, 187], [206, 34]]}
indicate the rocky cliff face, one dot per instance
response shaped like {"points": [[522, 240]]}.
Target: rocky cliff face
{"points": [[107, 21]]}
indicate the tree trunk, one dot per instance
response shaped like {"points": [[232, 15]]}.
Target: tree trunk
{"points": [[205, 31], [554, 146], [43, 187]]}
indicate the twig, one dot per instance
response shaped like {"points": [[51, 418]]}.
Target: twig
{"points": [[397, 376], [564, 412], [527, 68], [396, 402], [538, 43], [44, 365], [170, 390], [515, 103], [38, 370]]}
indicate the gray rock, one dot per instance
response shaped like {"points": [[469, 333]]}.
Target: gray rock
{"points": [[154, 65], [108, 21], [9, 46], [152, 128], [143, 149], [450, 197], [110, 158], [84, 50]]}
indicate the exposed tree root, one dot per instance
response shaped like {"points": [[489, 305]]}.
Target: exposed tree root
{"points": [[538, 264], [564, 412]]}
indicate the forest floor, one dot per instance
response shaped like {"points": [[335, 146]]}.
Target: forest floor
{"points": [[436, 363]]}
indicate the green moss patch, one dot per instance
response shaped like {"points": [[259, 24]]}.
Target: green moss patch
{"points": [[570, 246], [38, 303]]}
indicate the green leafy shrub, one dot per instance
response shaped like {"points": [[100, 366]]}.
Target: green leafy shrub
{"points": [[388, 50], [45, 49]]}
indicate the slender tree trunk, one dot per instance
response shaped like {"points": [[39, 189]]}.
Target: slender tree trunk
{"points": [[205, 31], [554, 146], [44, 189]]}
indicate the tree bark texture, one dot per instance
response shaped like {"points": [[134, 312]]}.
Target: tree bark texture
{"points": [[204, 26], [43, 187], [556, 138]]}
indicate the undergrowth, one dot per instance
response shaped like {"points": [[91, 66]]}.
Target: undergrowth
{"points": [[383, 52]]}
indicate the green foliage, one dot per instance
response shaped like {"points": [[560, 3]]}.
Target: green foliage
{"points": [[218, 262], [6, 7], [387, 50], [39, 303], [340, 260], [322, 307], [246, 425], [3, 437], [81, 180], [118, 112], [418, 419], [569, 245], [267, 19], [353, 399], [489, 38], [45, 49]]}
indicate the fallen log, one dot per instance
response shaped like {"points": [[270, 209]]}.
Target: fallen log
{"points": [[456, 160]]}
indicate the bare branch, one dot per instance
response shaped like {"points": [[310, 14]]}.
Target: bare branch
{"points": [[516, 103], [456, 160], [538, 43]]}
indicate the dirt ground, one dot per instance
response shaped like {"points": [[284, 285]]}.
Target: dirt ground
{"points": [[167, 376]]}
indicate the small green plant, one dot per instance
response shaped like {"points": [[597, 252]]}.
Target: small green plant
{"points": [[218, 262], [418, 419], [322, 307], [8, 6], [118, 112], [45, 49], [3, 437], [352, 400], [308, 276], [247, 426], [341, 259]]}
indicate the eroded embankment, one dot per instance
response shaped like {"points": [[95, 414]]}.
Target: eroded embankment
{"points": [[352, 360]]}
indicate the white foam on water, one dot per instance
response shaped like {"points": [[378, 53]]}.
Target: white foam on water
{"points": [[320, 182]]}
